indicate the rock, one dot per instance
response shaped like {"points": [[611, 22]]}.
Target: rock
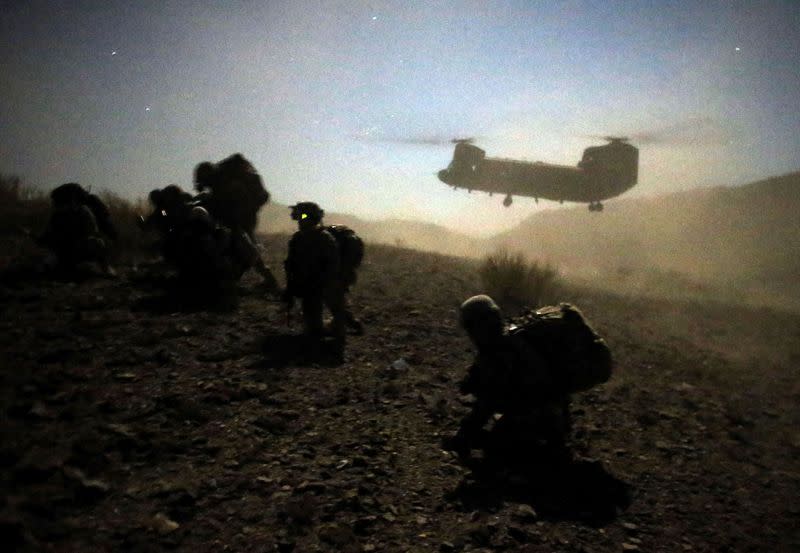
{"points": [[525, 513], [39, 410], [518, 533], [89, 489], [162, 524], [480, 534], [301, 509], [398, 367], [337, 534], [364, 524], [629, 526]]}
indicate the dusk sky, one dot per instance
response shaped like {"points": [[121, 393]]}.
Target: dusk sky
{"points": [[130, 95]]}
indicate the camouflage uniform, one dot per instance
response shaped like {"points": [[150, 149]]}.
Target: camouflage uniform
{"points": [[313, 272], [510, 378], [73, 233]]}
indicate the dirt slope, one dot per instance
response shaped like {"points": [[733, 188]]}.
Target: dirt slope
{"points": [[130, 430], [738, 239]]}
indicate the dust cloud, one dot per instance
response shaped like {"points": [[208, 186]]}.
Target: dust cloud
{"points": [[730, 244]]}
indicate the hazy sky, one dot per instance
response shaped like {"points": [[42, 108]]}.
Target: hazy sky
{"points": [[129, 95]]}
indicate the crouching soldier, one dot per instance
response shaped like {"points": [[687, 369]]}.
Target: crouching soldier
{"points": [[313, 274], [79, 229], [525, 373], [210, 258], [171, 210]]}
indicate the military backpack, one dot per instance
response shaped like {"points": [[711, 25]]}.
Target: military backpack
{"points": [[243, 181], [562, 336], [351, 247]]}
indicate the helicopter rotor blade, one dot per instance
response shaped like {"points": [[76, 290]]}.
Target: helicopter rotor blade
{"points": [[696, 131], [420, 140]]}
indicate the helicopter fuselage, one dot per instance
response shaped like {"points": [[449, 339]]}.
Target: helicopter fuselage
{"points": [[603, 172]]}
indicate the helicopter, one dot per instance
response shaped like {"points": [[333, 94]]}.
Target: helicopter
{"points": [[602, 173]]}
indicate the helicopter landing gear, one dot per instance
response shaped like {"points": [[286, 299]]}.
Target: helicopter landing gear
{"points": [[595, 206], [507, 201]]}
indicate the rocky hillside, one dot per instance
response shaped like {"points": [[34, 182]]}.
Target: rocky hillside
{"points": [[130, 425], [745, 240]]}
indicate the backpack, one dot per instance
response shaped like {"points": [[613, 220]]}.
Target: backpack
{"points": [[351, 249], [568, 343], [236, 172]]}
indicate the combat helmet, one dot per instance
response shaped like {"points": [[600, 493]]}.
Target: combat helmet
{"points": [[481, 317], [307, 211], [68, 193]]}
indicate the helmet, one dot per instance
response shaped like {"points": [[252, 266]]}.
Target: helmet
{"points": [[69, 192], [482, 319], [307, 211], [200, 215]]}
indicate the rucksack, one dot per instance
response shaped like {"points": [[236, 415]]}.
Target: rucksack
{"points": [[351, 248], [237, 172], [578, 355]]}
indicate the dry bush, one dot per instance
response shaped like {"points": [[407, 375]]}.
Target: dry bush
{"points": [[21, 207], [24, 212], [131, 241], [514, 282]]}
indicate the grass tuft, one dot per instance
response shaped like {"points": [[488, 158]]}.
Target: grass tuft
{"points": [[514, 282]]}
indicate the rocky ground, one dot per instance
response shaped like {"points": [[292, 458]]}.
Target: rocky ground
{"points": [[126, 428]]}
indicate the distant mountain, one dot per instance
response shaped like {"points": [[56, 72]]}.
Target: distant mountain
{"points": [[747, 237], [274, 218]]}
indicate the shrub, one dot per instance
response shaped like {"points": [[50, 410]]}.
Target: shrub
{"points": [[514, 282], [131, 241], [24, 212]]}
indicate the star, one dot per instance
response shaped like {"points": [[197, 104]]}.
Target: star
{"points": [[147, 108], [738, 49], [113, 52]]}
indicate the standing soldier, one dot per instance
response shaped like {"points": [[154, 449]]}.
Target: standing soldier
{"points": [[313, 273], [233, 193]]}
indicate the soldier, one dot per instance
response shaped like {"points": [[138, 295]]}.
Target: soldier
{"points": [[511, 378], [313, 273], [233, 193], [210, 258], [74, 232], [171, 210]]}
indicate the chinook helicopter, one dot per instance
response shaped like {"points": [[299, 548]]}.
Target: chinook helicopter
{"points": [[602, 173]]}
